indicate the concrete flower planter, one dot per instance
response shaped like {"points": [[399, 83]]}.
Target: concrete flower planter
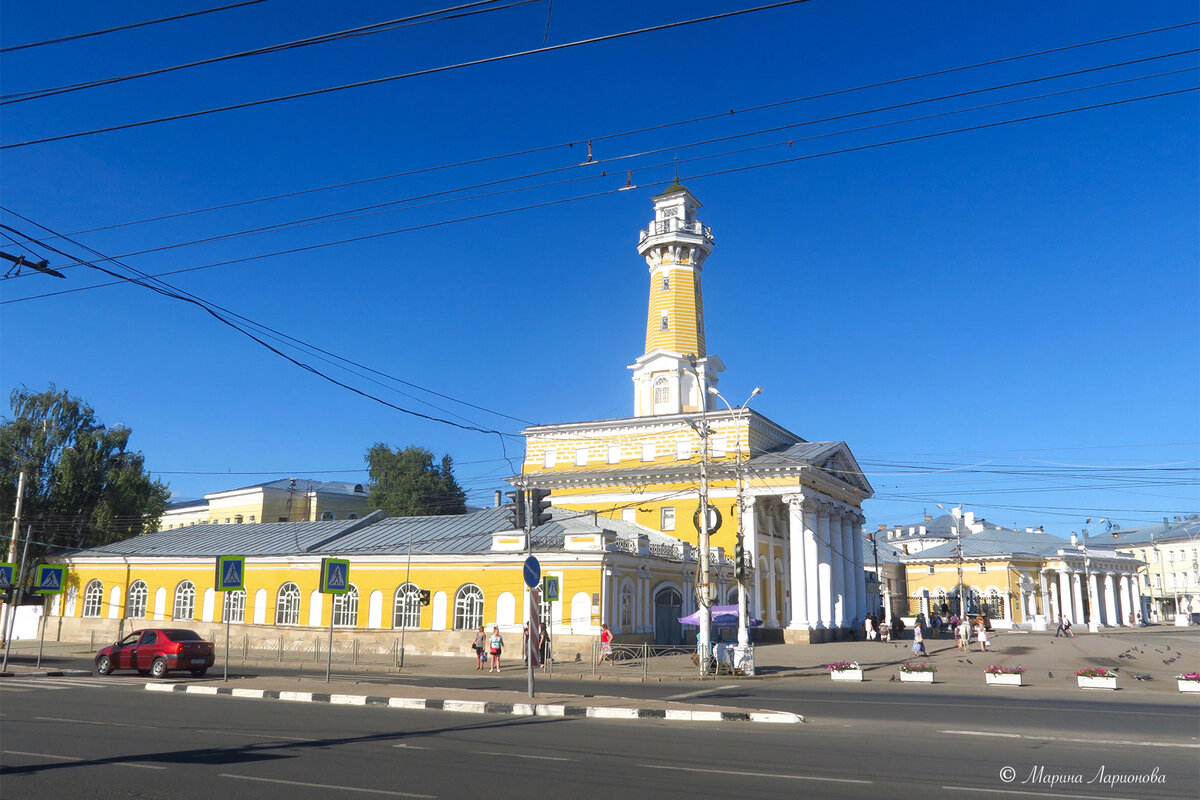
{"points": [[1188, 686], [1096, 683], [916, 677], [1003, 679], [846, 674]]}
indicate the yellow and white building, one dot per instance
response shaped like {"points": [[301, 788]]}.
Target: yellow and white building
{"points": [[285, 500], [623, 541]]}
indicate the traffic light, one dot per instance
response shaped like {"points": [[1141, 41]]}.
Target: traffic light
{"points": [[739, 561], [424, 597], [516, 517], [539, 506]]}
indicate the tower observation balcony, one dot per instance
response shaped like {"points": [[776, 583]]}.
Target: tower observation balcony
{"points": [[674, 225]]}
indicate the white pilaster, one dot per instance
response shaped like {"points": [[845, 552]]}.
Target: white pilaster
{"points": [[812, 560], [856, 521], [1077, 590], [825, 572], [772, 618], [1093, 597], [750, 542], [1112, 613]]}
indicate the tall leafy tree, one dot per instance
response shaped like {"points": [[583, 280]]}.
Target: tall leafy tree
{"points": [[83, 486], [406, 482]]}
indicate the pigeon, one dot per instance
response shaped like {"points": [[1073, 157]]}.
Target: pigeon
{"points": [[892, 679], [1050, 674], [969, 661], [1142, 678]]}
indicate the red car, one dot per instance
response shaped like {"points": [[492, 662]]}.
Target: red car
{"points": [[157, 651]]}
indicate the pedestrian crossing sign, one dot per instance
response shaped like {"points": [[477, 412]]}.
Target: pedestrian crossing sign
{"points": [[49, 579], [8, 573], [335, 576], [551, 587], [231, 573]]}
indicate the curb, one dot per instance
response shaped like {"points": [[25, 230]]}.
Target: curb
{"points": [[57, 673], [483, 707]]}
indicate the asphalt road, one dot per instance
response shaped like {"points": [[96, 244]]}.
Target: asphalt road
{"points": [[108, 738]]}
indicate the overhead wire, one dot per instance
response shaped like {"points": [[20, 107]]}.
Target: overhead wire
{"points": [[646, 129], [603, 193], [130, 26], [412, 74], [426, 17]]}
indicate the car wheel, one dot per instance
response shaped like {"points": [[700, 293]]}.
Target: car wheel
{"points": [[199, 673], [158, 669], [104, 665]]}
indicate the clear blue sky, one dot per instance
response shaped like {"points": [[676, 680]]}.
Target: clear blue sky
{"points": [[1005, 317]]}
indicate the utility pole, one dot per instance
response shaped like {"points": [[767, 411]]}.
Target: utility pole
{"points": [[16, 528]]}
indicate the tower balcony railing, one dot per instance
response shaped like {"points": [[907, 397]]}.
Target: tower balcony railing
{"points": [[676, 225]]}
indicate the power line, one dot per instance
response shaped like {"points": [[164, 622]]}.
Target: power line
{"points": [[603, 193], [414, 74], [378, 208], [661, 126], [423, 18], [128, 27]]}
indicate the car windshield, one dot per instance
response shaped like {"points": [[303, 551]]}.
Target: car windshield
{"points": [[181, 635]]}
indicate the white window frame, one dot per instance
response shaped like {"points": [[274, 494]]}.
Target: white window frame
{"points": [[406, 607], [185, 601], [233, 606], [93, 598], [135, 605], [287, 604], [667, 518], [548, 459], [614, 453], [468, 607], [581, 458], [683, 450], [345, 608], [649, 451]]}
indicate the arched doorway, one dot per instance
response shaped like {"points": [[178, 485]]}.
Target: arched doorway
{"points": [[668, 608]]}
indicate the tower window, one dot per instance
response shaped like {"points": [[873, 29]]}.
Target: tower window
{"points": [[663, 324], [662, 391], [666, 283]]}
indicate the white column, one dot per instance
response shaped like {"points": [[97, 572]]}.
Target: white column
{"points": [[812, 560], [1131, 593], [849, 592], [860, 576], [1077, 594], [1043, 594], [799, 569], [1093, 598], [826, 589], [1054, 602], [1112, 613]]}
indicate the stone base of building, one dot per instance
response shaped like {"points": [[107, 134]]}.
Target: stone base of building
{"points": [[815, 636]]}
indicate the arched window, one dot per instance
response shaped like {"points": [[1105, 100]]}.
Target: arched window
{"points": [[93, 599], [939, 599], [468, 608], [327, 516], [662, 391], [995, 608], [185, 601], [136, 607], [345, 608], [287, 605], [407, 607], [234, 607], [974, 600]]}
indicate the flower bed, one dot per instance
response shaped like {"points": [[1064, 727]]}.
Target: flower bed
{"points": [[845, 671], [1096, 678], [917, 673], [1004, 676], [1188, 682]]}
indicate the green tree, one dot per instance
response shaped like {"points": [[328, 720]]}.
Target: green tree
{"points": [[83, 488], [406, 483]]}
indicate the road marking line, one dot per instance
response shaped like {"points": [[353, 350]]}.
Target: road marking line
{"points": [[755, 774], [258, 735], [139, 766], [39, 755], [1037, 794], [519, 755], [709, 690], [92, 722], [1072, 740], [997, 708], [327, 786], [411, 747]]}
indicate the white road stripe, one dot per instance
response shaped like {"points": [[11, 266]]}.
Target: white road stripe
{"points": [[411, 747], [258, 735], [755, 774], [326, 786], [1036, 794], [709, 690], [40, 755], [92, 722], [1122, 742], [139, 766], [995, 708], [519, 755]]}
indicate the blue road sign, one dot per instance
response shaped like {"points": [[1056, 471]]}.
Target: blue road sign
{"points": [[8, 572], [533, 572], [335, 576], [50, 579], [551, 588], [231, 573]]}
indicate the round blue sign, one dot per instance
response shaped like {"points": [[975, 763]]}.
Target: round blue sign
{"points": [[533, 572]]}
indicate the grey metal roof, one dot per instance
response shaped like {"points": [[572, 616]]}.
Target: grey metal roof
{"points": [[211, 540], [464, 533], [304, 485], [944, 526], [178, 504], [1150, 534], [796, 454], [995, 543], [888, 552]]}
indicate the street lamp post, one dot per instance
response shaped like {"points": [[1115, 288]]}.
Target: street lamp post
{"points": [[962, 600], [743, 618], [1092, 623], [703, 589]]}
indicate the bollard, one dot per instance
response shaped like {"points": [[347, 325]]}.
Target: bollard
{"points": [[645, 660], [317, 648], [281, 649], [354, 651], [245, 646]]}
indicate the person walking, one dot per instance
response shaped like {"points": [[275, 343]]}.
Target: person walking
{"points": [[605, 644], [964, 632], [869, 625], [918, 639], [481, 648], [981, 635], [495, 648], [1067, 629]]}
